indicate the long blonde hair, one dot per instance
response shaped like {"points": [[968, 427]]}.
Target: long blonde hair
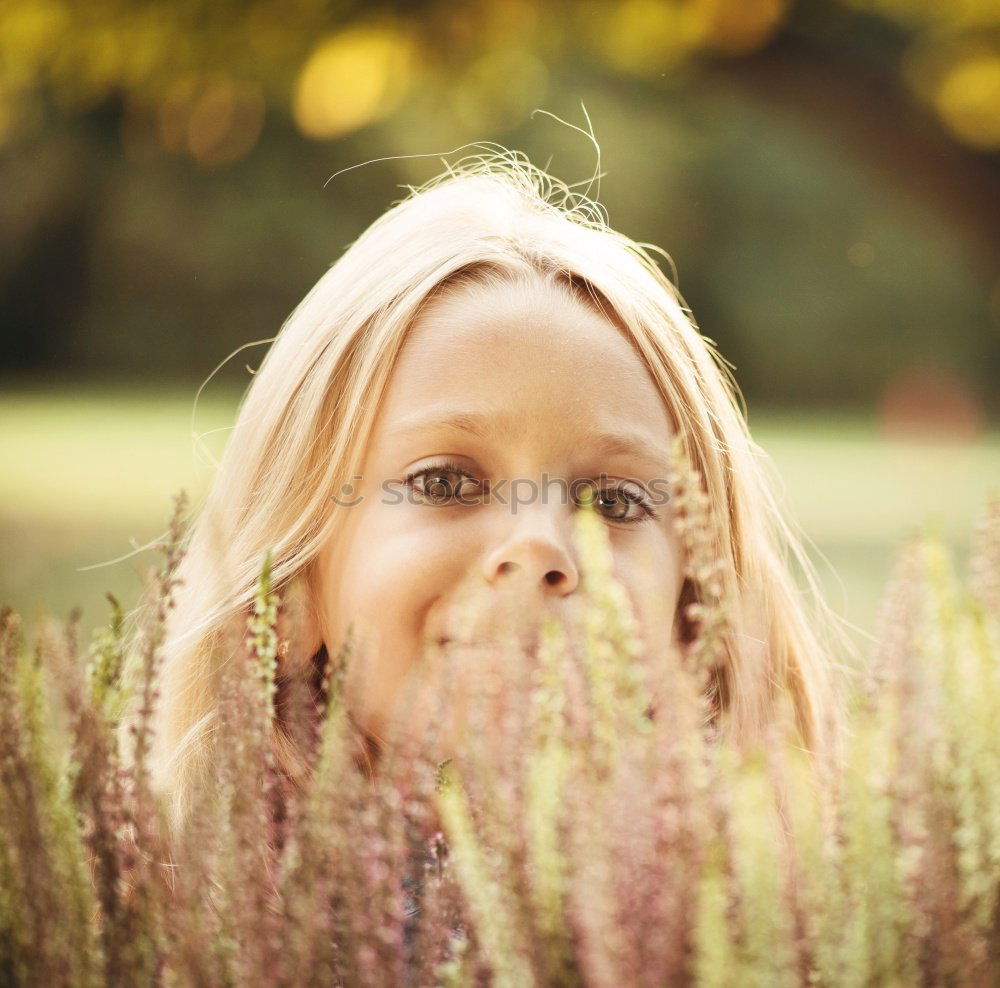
{"points": [[304, 424]]}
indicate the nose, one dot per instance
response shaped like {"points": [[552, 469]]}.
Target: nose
{"points": [[536, 549]]}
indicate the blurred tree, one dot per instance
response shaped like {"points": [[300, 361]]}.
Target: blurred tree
{"points": [[337, 67], [823, 171]]}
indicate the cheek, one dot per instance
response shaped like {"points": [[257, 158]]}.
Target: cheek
{"points": [[386, 575], [377, 575], [653, 578]]}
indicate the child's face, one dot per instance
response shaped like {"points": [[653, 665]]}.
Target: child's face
{"points": [[549, 375]]}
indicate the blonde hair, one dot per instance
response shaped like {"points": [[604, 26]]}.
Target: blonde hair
{"points": [[304, 423]]}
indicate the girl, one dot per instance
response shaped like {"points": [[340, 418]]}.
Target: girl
{"points": [[424, 415]]}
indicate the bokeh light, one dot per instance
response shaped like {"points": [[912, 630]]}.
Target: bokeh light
{"points": [[352, 79], [500, 88], [175, 112], [822, 174], [737, 28], [86, 72], [225, 121], [968, 100], [929, 401], [645, 37], [31, 33]]}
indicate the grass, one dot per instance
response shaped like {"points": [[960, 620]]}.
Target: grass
{"points": [[89, 475], [89, 471], [592, 826]]}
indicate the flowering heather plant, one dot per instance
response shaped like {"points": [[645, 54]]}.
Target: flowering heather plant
{"points": [[593, 830]]}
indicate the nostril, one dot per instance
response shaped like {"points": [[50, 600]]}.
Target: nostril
{"points": [[553, 578]]}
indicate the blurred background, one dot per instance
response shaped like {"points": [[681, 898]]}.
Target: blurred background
{"points": [[824, 175]]}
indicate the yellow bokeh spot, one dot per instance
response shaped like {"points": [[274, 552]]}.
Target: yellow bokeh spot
{"points": [[351, 80], [652, 37], [647, 37], [31, 33], [968, 100]]}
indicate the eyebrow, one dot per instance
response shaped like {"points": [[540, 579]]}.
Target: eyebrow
{"points": [[498, 428]]}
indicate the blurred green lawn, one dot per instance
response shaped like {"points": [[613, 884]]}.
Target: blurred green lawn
{"points": [[88, 473]]}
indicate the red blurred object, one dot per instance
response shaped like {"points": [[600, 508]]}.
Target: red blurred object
{"points": [[925, 401]]}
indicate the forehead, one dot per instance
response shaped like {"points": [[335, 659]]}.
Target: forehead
{"points": [[531, 347]]}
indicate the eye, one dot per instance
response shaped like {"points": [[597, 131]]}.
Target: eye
{"points": [[441, 484], [617, 502]]}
